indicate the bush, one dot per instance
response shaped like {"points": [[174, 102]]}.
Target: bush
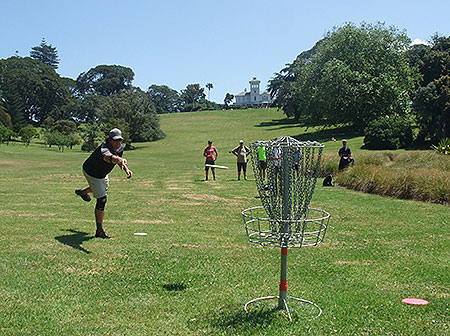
{"points": [[388, 132], [443, 146], [5, 134]]}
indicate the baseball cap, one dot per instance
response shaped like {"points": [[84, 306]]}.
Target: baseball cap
{"points": [[115, 134], [209, 141], [241, 141]]}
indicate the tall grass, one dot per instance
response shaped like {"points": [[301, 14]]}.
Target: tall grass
{"points": [[418, 175]]}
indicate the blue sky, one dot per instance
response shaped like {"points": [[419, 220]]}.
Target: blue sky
{"points": [[179, 42]]}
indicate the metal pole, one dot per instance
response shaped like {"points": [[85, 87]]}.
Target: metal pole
{"points": [[285, 228]]}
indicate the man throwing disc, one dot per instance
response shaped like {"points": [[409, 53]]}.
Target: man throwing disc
{"points": [[96, 169]]}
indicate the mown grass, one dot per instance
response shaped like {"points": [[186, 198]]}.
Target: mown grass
{"points": [[194, 271], [417, 175]]}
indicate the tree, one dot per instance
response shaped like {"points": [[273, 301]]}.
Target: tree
{"points": [[105, 80], [5, 134], [432, 100], [209, 86], [191, 95], [92, 134], [27, 133], [45, 53], [228, 99], [37, 87], [15, 110], [165, 99], [135, 109], [352, 76]]}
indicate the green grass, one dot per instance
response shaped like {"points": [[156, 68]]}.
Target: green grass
{"points": [[195, 270]]}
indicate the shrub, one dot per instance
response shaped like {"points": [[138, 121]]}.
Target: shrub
{"points": [[443, 146], [388, 132], [27, 133]]}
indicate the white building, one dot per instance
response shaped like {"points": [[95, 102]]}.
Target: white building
{"points": [[254, 96]]}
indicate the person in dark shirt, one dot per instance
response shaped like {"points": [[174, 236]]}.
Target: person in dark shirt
{"points": [[96, 169], [345, 154]]}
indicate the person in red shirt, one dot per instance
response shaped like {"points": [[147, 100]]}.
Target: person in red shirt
{"points": [[211, 154]]}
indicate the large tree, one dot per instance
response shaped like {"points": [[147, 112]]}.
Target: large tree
{"points": [[46, 53], [353, 75], [191, 96], [37, 85], [105, 80], [165, 99], [133, 109], [432, 101]]}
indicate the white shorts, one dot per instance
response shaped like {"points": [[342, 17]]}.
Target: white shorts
{"points": [[98, 185]]}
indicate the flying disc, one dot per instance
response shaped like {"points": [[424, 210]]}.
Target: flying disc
{"points": [[413, 301], [140, 234], [216, 166]]}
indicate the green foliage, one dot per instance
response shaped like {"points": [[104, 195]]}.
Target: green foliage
{"points": [[5, 118], [57, 138], [27, 133], [228, 99], [443, 146], [33, 85], [432, 101], [138, 112], [388, 132], [92, 134], [165, 99], [45, 53], [5, 134], [191, 96], [351, 76], [105, 80]]}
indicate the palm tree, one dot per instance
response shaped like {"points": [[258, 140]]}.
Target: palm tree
{"points": [[209, 86]]}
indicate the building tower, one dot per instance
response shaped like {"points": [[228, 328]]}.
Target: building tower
{"points": [[254, 91]]}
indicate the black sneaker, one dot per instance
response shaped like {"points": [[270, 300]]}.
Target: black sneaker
{"points": [[101, 234], [84, 195]]}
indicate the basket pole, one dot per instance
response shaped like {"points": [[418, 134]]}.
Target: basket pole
{"points": [[286, 214]]}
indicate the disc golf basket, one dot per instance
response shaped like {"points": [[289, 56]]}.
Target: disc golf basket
{"points": [[285, 220]]}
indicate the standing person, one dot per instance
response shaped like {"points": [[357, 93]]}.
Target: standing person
{"points": [[262, 160], [241, 152], [345, 154], [211, 154], [96, 169]]}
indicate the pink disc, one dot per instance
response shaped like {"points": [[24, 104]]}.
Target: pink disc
{"points": [[413, 301]]}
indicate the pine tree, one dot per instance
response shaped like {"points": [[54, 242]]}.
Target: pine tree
{"points": [[45, 53], [15, 109]]}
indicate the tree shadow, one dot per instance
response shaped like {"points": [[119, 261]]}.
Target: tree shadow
{"points": [[75, 240], [327, 134], [280, 123]]}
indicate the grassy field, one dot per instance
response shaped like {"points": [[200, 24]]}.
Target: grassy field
{"points": [[195, 270]]}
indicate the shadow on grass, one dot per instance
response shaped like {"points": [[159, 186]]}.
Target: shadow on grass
{"points": [[280, 123], [75, 239], [235, 319], [174, 287], [324, 135]]}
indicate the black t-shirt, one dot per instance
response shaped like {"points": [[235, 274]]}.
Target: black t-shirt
{"points": [[95, 166], [345, 151]]}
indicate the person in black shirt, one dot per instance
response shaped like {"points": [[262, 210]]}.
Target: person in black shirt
{"points": [[96, 169], [346, 155]]}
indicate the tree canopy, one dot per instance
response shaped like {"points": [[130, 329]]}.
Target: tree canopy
{"points": [[353, 75], [37, 87], [46, 53], [105, 80], [165, 99]]}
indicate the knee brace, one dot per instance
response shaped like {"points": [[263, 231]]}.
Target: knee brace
{"points": [[101, 203]]}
